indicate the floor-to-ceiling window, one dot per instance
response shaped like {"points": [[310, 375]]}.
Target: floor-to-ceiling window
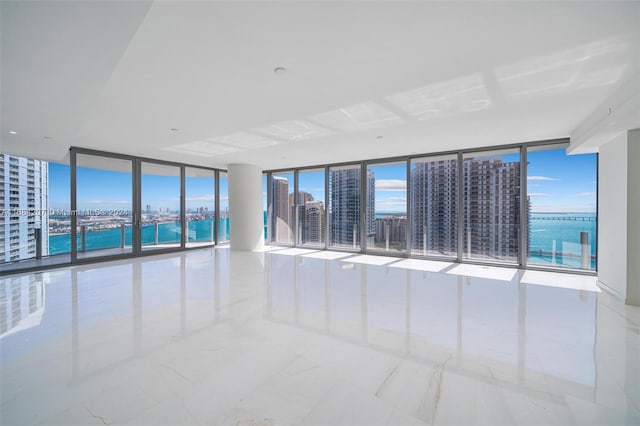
{"points": [[491, 205], [434, 206], [200, 185], [386, 207], [471, 205], [222, 213], [160, 197], [34, 210], [265, 206], [283, 212], [344, 206], [310, 208], [561, 194], [104, 205], [115, 205], [59, 214]]}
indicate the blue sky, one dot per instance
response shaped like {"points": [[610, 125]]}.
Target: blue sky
{"points": [[103, 189], [556, 183], [559, 183]]}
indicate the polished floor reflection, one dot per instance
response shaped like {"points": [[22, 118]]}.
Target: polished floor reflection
{"points": [[293, 336]]}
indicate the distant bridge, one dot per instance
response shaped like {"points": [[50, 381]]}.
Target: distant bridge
{"points": [[567, 218]]}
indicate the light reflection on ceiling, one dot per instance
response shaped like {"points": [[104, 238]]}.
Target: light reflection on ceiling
{"points": [[592, 65], [587, 66], [295, 130], [202, 148], [443, 99], [364, 116], [244, 140]]}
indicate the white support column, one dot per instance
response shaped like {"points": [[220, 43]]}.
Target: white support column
{"points": [[245, 207]]}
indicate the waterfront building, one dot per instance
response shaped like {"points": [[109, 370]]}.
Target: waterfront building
{"points": [[24, 203]]}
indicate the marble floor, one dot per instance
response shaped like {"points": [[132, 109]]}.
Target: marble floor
{"points": [[294, 336]]}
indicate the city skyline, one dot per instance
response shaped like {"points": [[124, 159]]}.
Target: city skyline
{"points": [[557, 183], [572, 179]]}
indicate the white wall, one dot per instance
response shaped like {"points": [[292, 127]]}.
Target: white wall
{"points": [[245, 207], [612, 215], [619, 216], [633, 218]]}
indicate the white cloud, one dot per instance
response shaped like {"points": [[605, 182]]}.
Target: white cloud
{"points": [[541, 178], [201, 198], [391, 185], [538, 194], [587, 194]]}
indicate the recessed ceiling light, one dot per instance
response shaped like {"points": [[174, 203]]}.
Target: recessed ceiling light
{"points": [[279, 70], [13, 132], [379, 137], [173, 129], [47, 137]]}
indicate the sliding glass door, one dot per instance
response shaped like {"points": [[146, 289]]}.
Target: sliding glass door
{"points": [[491, 205], [561, 195], [200, 189], [386, 207], [160, 199], [124, 206], [434, 206], [103, 206]]}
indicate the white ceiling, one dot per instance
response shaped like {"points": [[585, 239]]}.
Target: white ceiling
{"points": [[363, 80]]}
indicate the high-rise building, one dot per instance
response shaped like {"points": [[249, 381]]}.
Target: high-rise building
{"points": [[309, 214], [491, 207], [281, 223], [313, 223], [434, 198], [24, 203], [344, 188], [303, 197], [391, 230]]}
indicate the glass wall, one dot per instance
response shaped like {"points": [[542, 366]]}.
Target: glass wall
{"points": [[561, 194], [200, 189], [465, 205], [223, 213], [434, 206], [386, 207], [310, 209], [282, 210], [344, 206], [265, 206], [160, 195], [122, 205], [59, 216], [104, 200], [491, 205]]}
